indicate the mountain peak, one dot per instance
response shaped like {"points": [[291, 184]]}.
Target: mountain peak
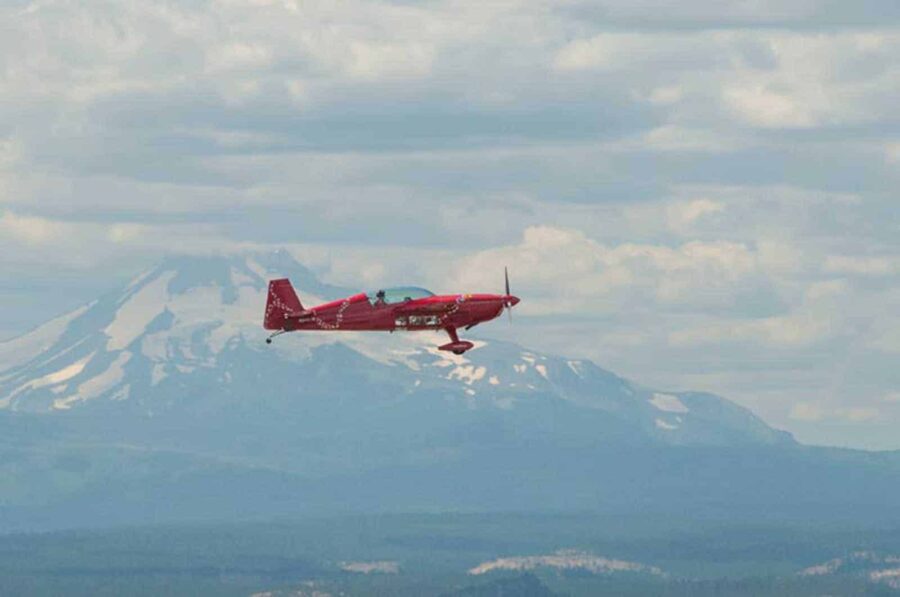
{"points": [[188, 332]]}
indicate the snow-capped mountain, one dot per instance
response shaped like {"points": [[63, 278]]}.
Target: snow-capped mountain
{"points": [[161, 401], [186, 337], [173, 319]]}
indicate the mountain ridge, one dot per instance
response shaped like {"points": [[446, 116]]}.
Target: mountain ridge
{"points": [[161, 402], [185, 314]]}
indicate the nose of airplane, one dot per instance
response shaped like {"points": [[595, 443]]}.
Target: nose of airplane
{"points": [[512, 301]]}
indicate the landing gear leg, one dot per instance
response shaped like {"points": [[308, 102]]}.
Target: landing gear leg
{"points": [[456, 346]]}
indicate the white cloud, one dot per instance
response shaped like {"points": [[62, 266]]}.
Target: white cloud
{"points": [[863, 266], [563, 270], [31, 230], [886, 336], [638, 52], [673, 229], [701, 13], [805, 411], [683, 214], [892, 152], [378, 60], [10, 153], [816, 319], [764, 107], [666, 95], [601, 51], [82, 245], [811, 80], [238, 56], [129, 232], [88, 51], [674, 138], [762, 78]]}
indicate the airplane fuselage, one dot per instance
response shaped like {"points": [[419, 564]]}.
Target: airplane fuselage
{"points": [[358, 313], [388, 310]]}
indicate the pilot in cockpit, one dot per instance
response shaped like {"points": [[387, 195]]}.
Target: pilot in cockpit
{"points": [[379, 298]]}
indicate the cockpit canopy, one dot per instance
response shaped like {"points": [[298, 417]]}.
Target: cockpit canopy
{"points": [[400, 294]]}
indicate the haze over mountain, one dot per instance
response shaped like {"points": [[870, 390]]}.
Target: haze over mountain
{"points": [[161, 401]]}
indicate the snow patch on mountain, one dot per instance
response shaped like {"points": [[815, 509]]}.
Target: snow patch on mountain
{"points": [[260, 270], [157, 374], [64, 374], [668, 403], [239, 278], [877, 568], [99, 384], [407, 358], [565, 560], [467, 373], [137, 312], [888, 576], [380, 567], [19, 351], [529, 358], [51, 379], [661, 424]]}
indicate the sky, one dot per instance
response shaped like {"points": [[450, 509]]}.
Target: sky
{"points": [[694, 194]]}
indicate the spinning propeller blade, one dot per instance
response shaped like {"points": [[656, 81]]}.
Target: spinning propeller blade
{"points": [[506, 302]]}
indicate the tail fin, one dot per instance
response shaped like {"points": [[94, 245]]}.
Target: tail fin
{"points": [[282, 301]]}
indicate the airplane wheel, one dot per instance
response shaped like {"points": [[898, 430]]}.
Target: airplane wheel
{"points": [[268, 340]]}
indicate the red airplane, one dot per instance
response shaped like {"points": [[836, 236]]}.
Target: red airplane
{"points": [[391, 309]]}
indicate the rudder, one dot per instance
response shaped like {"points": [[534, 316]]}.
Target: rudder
{"points": [[282, 301]]}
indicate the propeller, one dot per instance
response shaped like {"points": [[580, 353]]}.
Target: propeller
{"points": [[509, 301]]}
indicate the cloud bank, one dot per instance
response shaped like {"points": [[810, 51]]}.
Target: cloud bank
{"points": [[698, 195]]}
